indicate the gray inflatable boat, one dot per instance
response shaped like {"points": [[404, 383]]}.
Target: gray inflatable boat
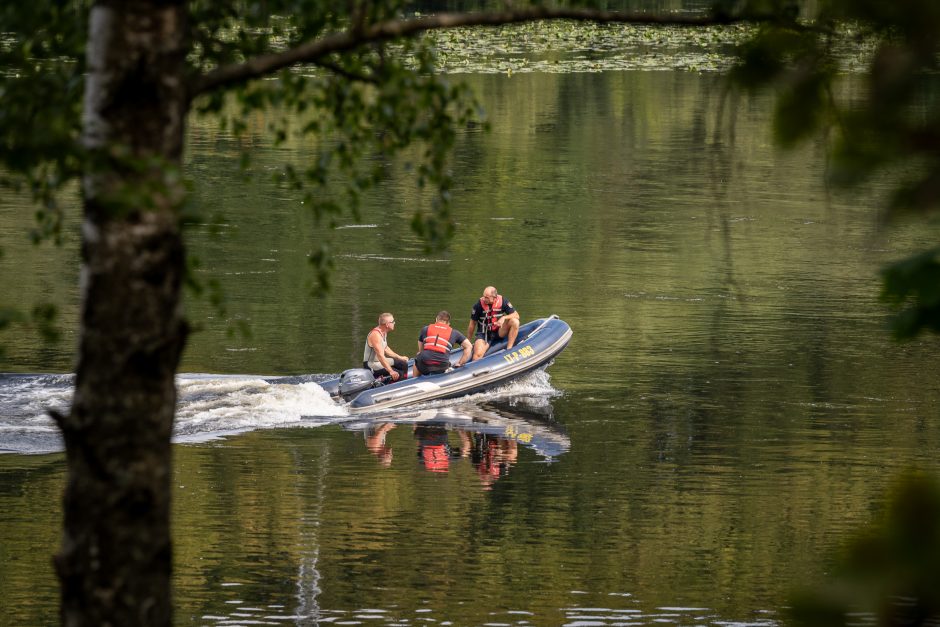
{"points": [[536, 346]]}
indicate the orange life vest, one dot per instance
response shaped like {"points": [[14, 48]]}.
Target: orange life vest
{"points": [[436, 458], [438, 338], [492, 313]]}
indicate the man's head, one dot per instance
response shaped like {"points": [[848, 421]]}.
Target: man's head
{"points": [[489, 295], [443, 316], [387, 320]]}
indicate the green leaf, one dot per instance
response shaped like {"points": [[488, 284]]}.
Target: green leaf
{"points": [[912, 287]]}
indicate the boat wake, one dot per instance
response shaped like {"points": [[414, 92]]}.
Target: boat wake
{"points": [[209, 406], [534, 388]]}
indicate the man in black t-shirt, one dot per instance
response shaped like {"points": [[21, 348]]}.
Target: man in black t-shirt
{"points": [[496, 319]]}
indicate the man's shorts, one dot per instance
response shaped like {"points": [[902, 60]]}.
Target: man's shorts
{"points": [[430, 362], [488, 336]]}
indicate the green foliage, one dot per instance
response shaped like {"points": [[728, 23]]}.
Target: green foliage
{"points": [[889, 570], [796, 59], [8, 316], [41, 320], [41, 68], [322, 262], [786, 55], [212, 290], [360, 107], [911, 286], [882, 129], [900, 42], [44, 319], [366, 104]]}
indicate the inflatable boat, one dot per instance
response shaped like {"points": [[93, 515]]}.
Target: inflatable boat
{"points": [[538, 343]]}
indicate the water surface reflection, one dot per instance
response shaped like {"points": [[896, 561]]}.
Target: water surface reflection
{"points": [[734, 408], [486, 437]]}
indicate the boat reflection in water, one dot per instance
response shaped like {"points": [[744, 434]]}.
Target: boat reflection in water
{"points": [[487, 437]]}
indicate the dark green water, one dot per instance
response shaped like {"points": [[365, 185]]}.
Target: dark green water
{"points": [[732, 406]]}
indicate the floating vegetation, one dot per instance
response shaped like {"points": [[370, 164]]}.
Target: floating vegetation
{"points": [[561, 47], [565, 46]]}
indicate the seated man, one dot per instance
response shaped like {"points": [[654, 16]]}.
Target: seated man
{"points": [[435, 342], [378, 357], [497, 319]]}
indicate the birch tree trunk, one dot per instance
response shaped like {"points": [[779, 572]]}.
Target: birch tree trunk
{"points": [[115, 560]]}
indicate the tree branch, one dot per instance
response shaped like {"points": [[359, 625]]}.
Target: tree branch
{"points": [[310, 52], [336, 69]]}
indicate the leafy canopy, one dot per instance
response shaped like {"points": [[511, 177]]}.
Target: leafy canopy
{"points": [[365, 103], [894, 125], [371, 97], [888, 571]]}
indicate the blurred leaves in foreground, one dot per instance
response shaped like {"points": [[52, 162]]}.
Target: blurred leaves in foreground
{"points": [[914, 280], [892, 126], [42, 320], [890, 572]]}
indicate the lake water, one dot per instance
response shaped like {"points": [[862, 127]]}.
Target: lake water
{"points": [[729, 410]]}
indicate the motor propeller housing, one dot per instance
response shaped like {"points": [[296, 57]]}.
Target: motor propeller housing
{"points": [[354, 381]]}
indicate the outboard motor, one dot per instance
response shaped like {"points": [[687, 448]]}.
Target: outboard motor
{"points": [[354, 381]]}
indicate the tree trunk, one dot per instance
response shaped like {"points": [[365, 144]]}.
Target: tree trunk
{"points": [[115, 560]]}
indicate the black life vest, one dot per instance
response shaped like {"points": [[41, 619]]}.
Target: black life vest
{"points": [[438, 338]]}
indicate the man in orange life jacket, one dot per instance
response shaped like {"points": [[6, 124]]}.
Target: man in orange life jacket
{"points": [[497, 319], [434, 344], [378, 357]]}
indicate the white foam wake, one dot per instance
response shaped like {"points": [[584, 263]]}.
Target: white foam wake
{"points": [[211, 406]]}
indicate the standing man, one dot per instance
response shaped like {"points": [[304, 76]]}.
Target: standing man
{"points": [[497, 319], [378, 357], [434, 344]]}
